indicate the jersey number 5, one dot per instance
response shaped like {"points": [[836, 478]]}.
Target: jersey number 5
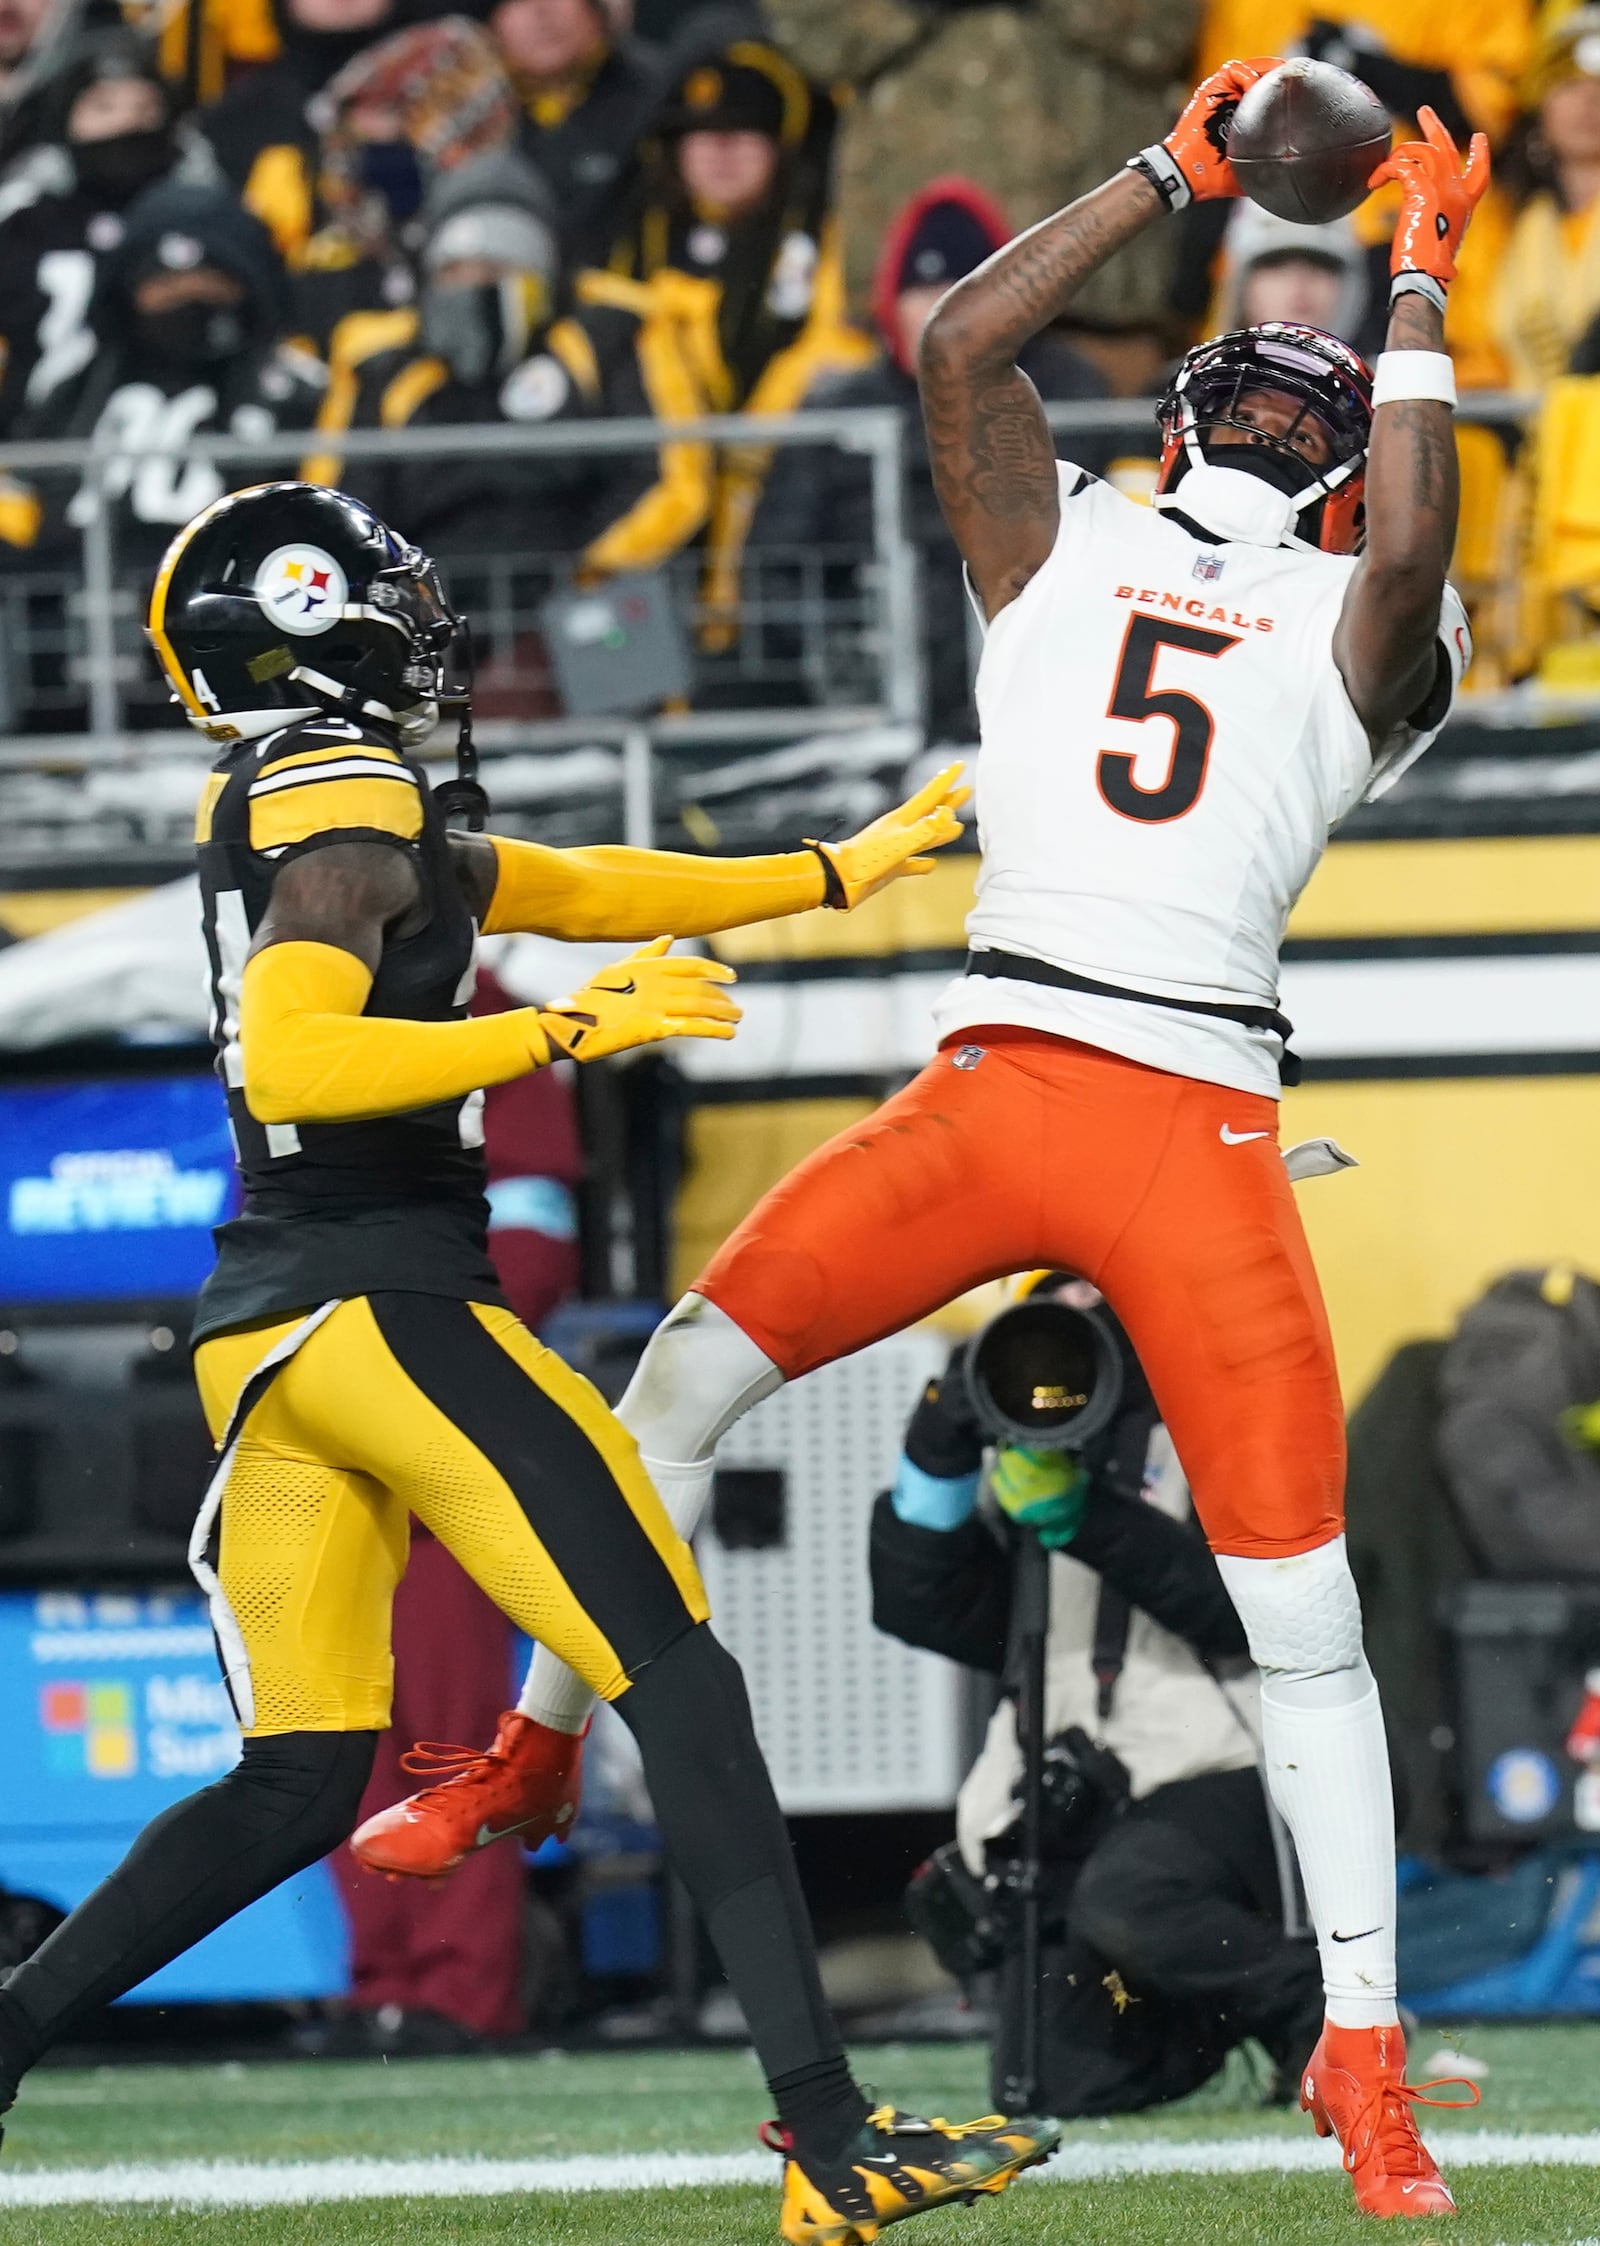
{"points": [[1192, 722]]}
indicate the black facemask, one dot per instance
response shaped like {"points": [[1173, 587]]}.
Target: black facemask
{"points": [[465, 328], [113, 171], [391, 168], [190, 337]]}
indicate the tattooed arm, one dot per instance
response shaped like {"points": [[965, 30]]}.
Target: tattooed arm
{"points": [[993, 463], [994, 466], [1385, 644]]}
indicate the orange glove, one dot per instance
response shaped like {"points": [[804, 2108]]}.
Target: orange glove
{"points": [[1191, 164], [1438, 194]]}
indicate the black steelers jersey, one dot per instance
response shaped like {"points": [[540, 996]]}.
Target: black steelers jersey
{"points": [[339, 1209]]}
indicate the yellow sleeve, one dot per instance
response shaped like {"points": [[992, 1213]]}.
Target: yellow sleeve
{"points": [[359, 336], [591, 896], [21, 512], [667, 515], [312, 1056], [278, 190]]}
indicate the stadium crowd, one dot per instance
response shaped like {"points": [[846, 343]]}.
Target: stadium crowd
{"points": [[258, 217]]}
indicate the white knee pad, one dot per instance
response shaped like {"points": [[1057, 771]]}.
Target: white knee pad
{"points": [[1301, 1615], [699, 1372]]}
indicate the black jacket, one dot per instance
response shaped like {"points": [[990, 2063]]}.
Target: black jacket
{"points": [[590, 364], [589, 156], [949, 1590]]}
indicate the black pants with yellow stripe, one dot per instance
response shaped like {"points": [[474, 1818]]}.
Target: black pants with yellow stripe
{"points": [[406, 1403], [402, 1403]]}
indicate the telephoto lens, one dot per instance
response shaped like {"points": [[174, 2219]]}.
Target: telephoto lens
{"points": [[1045, 1374]]}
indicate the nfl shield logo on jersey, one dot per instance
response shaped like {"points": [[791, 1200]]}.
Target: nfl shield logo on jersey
{"points": [[1208, 568]]}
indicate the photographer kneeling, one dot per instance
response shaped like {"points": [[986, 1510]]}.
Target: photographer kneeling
{"points": [[1163, 1906]]}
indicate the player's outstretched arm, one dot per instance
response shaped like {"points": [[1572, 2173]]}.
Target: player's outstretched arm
{"points": [[311, 1055], [993, 461], [592, 896], [1386, 644]]}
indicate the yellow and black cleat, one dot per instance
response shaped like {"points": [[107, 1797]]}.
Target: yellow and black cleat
{"points": [[901, 2166]]}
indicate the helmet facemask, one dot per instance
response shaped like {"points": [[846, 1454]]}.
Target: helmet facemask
{"points": [[1326, 383]]}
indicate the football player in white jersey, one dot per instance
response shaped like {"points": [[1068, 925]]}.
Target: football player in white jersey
{"points": [[1178, 704]]}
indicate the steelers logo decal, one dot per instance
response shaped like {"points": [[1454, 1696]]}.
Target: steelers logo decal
{"points": [[302, 589]]}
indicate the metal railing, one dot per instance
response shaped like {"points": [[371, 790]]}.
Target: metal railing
{"points": [[824, 631], [829, 639]]}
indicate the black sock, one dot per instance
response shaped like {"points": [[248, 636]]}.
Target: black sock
{"points": [[18, 2049], [292, 1797], [727, 1841], [821, 2107]]}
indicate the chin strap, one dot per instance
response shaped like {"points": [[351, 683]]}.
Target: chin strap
{"points": [[465, 797]]}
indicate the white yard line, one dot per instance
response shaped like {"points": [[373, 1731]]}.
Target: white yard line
{"points": [[225, 2183]]}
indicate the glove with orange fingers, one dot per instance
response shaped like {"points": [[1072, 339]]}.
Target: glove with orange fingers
{"points": [[1191, 165], [894, 844], [1438, 194], [640, 1000]]}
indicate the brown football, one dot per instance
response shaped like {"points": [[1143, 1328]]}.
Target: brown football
{"points": [[1305, 139]]}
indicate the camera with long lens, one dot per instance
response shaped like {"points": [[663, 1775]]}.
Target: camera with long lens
{"points": [[1051, 1376], [1044, 1374]]}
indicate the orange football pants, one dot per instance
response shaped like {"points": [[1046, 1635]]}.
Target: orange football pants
{"points": [[1168, 1193]]}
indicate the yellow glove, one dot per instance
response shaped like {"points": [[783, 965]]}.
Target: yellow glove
{"points": [[640, 1000], [1580, 1424], [881, 853]]}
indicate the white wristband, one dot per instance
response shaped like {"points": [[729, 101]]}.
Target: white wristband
{"points": [[1414, 374]]}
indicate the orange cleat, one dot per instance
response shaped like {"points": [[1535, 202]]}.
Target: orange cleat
{"points": [[529, 1783], [1354, 2088]]}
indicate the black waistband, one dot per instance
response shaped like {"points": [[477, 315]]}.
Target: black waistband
{"points": [[1012, 967]]}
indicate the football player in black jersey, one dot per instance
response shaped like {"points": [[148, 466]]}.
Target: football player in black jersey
{"points": [[355, 1355]]}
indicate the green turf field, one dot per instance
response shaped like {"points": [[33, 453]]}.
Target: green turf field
{"points": [[298, 2129]]}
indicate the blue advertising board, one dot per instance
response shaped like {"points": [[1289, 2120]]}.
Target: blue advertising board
{"points": [[115, 1709], [108, 1191]]}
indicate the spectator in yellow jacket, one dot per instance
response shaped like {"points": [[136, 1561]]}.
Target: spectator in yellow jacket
{"points": [[733, 228], [1548, 286]]}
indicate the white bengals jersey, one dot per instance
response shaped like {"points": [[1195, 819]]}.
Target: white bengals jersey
{"points": [[1167, 745]]}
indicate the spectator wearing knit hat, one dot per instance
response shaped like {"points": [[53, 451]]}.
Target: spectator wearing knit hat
{"points": [[261, 127], [822, 497], [499, 334], [732, 226], [186, 316], [1320, 276], [99, 129], [392, 123], [586, 91]]}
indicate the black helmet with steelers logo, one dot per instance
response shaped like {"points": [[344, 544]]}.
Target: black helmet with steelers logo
{"points": [[290, 600]]}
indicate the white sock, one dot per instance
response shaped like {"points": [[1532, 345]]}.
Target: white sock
{"points": [[1327, 1765], [699, 1372]]}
